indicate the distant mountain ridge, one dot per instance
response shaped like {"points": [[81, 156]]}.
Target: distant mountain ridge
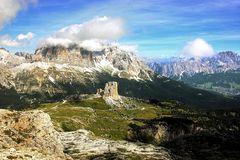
{"points": [[221, 62], [219, 73]]}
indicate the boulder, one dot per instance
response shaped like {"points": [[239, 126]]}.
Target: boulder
{"points": [[29, 135]]}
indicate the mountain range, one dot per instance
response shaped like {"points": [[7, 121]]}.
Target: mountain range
{"points": [[219, 73], [57, 72]]}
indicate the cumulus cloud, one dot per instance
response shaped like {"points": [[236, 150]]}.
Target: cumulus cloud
{"points": [[104, 28], [198, 48], [20, 40], [100, 28], [55, 41], [93, 35], [10, 8], [92, 45]]}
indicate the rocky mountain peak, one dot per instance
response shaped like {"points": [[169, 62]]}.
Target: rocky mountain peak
{"points": [[6, 58], [4, 52]]}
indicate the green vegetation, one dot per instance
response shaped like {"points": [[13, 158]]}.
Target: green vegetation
{"points": [[102, 119], [113, 122]]}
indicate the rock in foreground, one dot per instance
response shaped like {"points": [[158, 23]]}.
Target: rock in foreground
{"points": [[82, 145], [28, 135]]}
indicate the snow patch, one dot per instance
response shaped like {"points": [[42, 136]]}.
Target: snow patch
{"points": [[51, 79], [30, 66]]}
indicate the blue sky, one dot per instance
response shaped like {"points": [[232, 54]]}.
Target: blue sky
{"points": [[157, 27]]}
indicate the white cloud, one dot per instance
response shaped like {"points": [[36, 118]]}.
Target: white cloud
{"points": [[198, 48], [55, 41], [21, 40], [10, 8], [100, 28], [93, 35], [127, 48], [92, 45]]}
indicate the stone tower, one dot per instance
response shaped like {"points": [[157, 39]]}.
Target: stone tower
{"points": [[111, 90]]}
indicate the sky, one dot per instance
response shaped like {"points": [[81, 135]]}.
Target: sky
{"points": [[155, 28]]}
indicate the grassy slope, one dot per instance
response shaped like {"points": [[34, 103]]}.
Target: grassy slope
{"points": [[97, 116], [112, 123]]}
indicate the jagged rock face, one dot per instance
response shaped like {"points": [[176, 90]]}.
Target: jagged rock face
{"points": [[28, 135], [221, 62], [124, 64], [82, 144], [27, 56], [7, 59], [163, 130], [73, 55]]}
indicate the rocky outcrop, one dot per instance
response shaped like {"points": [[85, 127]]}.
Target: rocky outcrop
{"points": [[110, 91], [28, 135], [110, 94], [162, 130], [82, 145]]}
